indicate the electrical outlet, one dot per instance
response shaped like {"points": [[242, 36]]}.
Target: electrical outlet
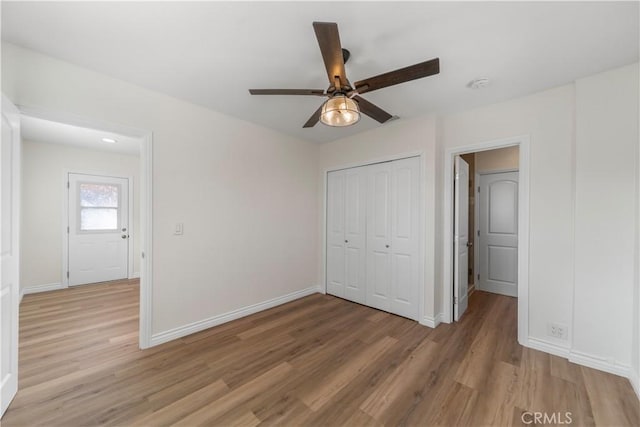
{"points": [[557, 330]]}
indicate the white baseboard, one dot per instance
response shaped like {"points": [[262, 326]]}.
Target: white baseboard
{"points": [[432, 322], [34, 289], [135, 275], [583, 359], [21, 296], [634, 379], [600, 363], [547, 347], [198, 326]]}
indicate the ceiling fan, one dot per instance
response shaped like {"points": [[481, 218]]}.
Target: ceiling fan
{"points": [[344, 103]]}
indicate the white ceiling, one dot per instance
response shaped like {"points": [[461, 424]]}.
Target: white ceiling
{"points": [[210, 53], [52, 132]]}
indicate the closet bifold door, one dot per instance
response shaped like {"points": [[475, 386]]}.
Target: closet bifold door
{"points": [[346, 237], [379, 236], [335, 233], [355, 234], [405, 240], [393, 267]]}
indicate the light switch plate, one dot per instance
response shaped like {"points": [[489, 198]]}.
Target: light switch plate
{"points": [[179, 229]]}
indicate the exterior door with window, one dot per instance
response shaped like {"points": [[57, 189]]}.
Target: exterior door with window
{"points": [[98, 228]]}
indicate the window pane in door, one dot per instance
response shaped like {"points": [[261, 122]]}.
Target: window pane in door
{"points": [[99, 195], [98, 205], [92, 219]]}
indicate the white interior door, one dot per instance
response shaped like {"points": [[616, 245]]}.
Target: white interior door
{"points": [[461, 237], [405, 243], [499, 233], [98, 228], [379, 236], [10, 281], [355, 234]]}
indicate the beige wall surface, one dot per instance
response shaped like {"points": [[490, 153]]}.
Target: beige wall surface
{"points": [[495, 160], [43, 197]]}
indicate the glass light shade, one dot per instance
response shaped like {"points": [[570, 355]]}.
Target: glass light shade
{"points": [[340, 111]]}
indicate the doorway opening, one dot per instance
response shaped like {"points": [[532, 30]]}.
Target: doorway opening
{"points": [[96, 177], [486, 225], [492, 206]]}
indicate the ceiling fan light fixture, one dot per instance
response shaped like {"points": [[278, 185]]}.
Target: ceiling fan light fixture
{"points": [[340, 111]]}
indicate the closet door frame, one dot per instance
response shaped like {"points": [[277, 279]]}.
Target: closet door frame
{"points": [[421, 222]]}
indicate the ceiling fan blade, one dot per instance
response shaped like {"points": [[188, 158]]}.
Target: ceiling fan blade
{"points": [[413, 72], [316, 92], [315, 118], [331, 49], [372, 110]]}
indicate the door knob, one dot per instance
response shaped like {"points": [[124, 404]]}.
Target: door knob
{"points": [[346, 241], [124, 236], [124, 229], [386, 246], [469, 244]]}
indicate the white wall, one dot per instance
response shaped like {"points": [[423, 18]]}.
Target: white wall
{"points": [[547, 117], [247, 195], [43, 196], [605, 215], [396, 138]]}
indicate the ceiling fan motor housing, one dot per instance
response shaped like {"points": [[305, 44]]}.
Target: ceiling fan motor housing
{"points": [[345, 55]]}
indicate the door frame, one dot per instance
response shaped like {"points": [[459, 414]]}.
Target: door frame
{"points": [[146, 203], [422, 189], [456, 242], [16, 175], [65, 219], [476, 230], [522, 142]]}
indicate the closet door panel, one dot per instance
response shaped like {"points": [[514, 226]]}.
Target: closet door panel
{"points": [[355, 233], [401, 281], [405, 270], [378, 261], [336, 271]]}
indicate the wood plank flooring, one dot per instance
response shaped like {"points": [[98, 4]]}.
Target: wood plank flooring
{"points": [[318, 361]]}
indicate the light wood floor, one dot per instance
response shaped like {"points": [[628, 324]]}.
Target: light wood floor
{"points": [[316, 361]]}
